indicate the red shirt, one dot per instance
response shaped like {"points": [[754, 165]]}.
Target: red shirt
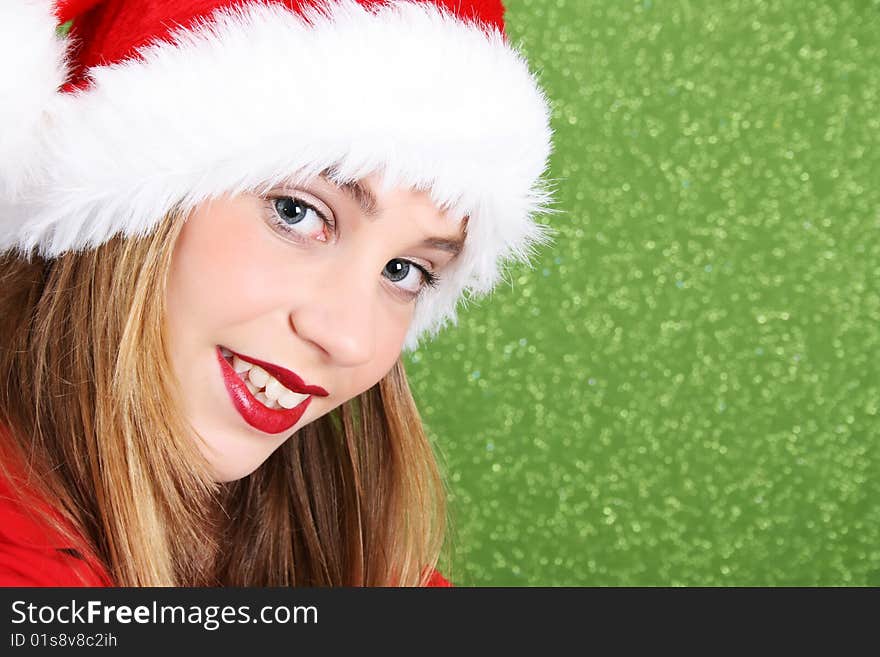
{"points": [[34, 554]]}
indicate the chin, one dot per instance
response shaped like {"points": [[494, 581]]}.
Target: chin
{"points": [[233, 473], [232, 458]]}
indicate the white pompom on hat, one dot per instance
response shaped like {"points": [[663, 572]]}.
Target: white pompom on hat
{"points": [[161, 104]]}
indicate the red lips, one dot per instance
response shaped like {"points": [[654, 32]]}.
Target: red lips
{"points": [[267, 420], [285, 377]]}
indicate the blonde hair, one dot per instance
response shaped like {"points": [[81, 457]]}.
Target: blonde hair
{"points": [[87, 398]]}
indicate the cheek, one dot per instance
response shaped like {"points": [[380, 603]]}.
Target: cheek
{"points": [[391, 332], [389, 343], [222, 273]]}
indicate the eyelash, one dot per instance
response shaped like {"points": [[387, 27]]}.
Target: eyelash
{"points": [[429, 278]]}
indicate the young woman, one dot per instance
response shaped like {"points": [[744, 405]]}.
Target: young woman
{"points": [[221, 222]]}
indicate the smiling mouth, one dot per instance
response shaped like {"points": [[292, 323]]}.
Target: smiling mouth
{"points": [[265, 388], [267, 396]]}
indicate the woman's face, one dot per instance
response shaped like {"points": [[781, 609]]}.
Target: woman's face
{"points": [[283, 307]]}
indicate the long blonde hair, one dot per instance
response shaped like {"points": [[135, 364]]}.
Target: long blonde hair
{"points": [[87, 398]]}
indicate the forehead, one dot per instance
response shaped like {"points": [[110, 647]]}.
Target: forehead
{"points": [[373, 192]]}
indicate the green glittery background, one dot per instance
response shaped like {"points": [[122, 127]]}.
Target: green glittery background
{"points": [[684, 390]]}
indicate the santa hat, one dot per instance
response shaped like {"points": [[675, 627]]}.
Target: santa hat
{"points": [[159, 104]]}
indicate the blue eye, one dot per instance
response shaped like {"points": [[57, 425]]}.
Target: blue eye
{"points": [[296, 217], [293, 211], [399, 270]]}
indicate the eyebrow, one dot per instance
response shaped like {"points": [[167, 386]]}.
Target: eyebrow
{"points": [[370, 207], [360, 195], [452, 246]]}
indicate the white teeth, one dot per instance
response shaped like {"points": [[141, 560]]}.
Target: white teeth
{"points": [[274, 389], [265, 401], [259, 376], [240, 365], [290, 399], [275, 394], [226, 353]]}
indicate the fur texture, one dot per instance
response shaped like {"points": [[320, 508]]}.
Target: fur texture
{"points": [[34, 58], [260, 94]]}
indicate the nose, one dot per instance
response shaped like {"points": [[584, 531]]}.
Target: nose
{"points": [[338, 316]]}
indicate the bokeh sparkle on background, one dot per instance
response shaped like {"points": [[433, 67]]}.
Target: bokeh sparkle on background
{"points": [[684, 390]]}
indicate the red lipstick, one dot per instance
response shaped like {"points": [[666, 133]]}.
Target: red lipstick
{"points": [[267, 420], [285, 377]]}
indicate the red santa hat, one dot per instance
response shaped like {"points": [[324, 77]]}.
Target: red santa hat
{"points": [[161, 104]]}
